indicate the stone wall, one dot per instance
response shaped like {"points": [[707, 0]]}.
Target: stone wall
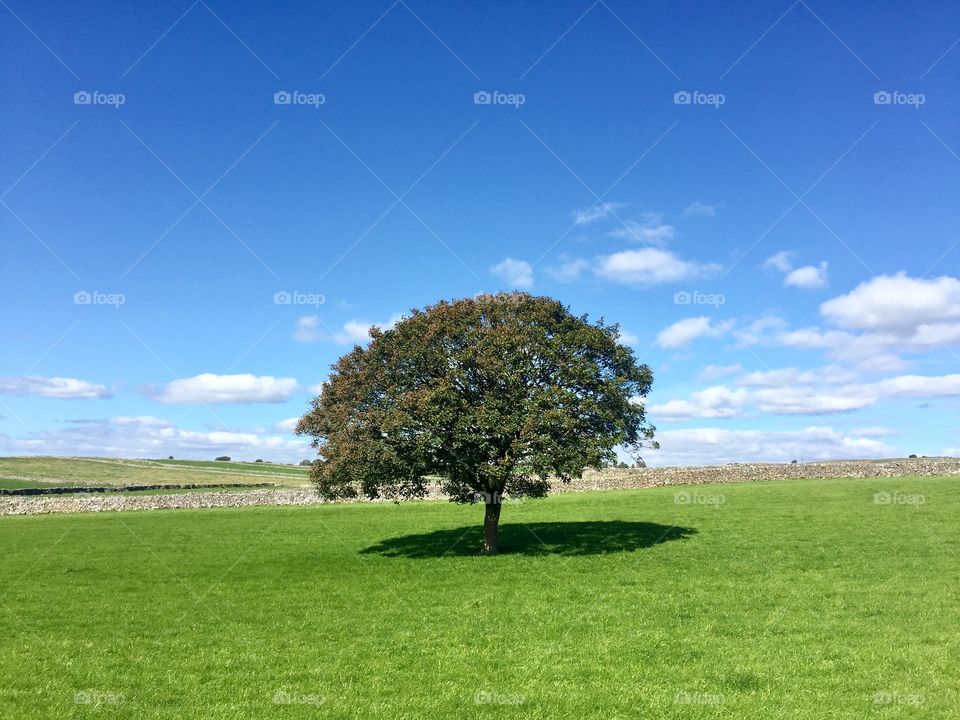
{"points": [[611, 479]]}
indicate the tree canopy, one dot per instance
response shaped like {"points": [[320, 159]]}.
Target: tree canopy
{"points": [[493, 395]]}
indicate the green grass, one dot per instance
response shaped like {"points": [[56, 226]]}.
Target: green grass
{"points": [[785, 600], [100, 472], [244, 467]]}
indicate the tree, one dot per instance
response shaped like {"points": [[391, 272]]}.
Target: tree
{"points": [[493, 395]]}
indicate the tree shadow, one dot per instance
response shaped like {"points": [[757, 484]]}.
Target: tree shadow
{"points": [[590, 537]]}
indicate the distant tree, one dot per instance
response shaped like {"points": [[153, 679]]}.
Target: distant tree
{"points": [[258, 460], [306, 463], [493, 394], [223, 458], [913, 456], [640, 463], [170, 457], [622, 465]]}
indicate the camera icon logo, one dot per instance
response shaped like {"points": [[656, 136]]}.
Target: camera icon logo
{"points": [[82, 97], [482, 97], [882, 97], [282, 97], [82, 297], [882, 498], [682, 297], [682, 97], [682, 498], [282, 297]]}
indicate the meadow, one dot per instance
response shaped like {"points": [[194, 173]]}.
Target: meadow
{"points": [[788, 599], [21, 472]]}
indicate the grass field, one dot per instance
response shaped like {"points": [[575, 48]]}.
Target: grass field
{"points": [[101, 472], [810, 599]]}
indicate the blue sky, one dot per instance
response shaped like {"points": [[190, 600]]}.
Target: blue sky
{"points": [[764, 196]]}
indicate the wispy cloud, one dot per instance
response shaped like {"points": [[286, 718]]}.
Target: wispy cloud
{"points": [[52, 387], [212, 388], [683, 332], [517, 273], [651, 266], [699, 209], [595, 213], [808, 276]]}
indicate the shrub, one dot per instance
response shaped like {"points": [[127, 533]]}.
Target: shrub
{"points": [[223, 458]]}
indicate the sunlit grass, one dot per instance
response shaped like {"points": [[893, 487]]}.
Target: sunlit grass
{"points": [[806, 599]]}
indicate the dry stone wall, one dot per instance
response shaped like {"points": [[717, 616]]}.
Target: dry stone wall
{"points": [[611, 479]]}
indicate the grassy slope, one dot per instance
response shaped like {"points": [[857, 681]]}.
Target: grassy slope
{"points": [[789, 600], [44, 471]]}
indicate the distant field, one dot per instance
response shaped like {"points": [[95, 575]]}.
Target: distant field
{"points": [[45, 471], [749, 601]]}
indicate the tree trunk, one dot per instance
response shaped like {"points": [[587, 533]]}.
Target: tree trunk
{"points": [[491, 524]]}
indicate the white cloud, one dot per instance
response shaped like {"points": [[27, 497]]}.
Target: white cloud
{"points": [[52, 387], [568, 271], [874, 432], [651, 231], [809, 277], [518, 273], [715, 446], [629, 338], [600, 211], [882, 362], [353, 332], [714, 402], [782, 261], [308, 329], [756, 332], [792, 376], [897, 304], [212, 388], [683, 332], [651, 266], [793, 392], [808, 400], [288, 425], [700, 209], [151, 437], [879, 321], [918, 386], [715, 372]]}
